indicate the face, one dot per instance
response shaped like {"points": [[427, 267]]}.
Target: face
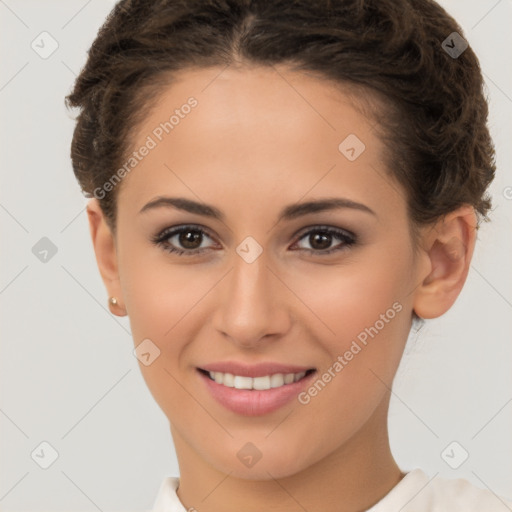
{"points": [[265, 281]]}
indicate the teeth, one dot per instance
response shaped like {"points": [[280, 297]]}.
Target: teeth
{"points": [[259, 383], [242, 382]]}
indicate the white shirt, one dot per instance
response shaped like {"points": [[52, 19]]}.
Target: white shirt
{"points": [[414, 493]]}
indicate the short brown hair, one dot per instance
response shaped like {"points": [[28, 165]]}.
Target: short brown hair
{"points": [[432, 115]]}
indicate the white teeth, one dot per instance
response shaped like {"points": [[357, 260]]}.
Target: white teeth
{"points": [[242, 382], [228, 380], [289, 378], [259, 383], [276, 380]]}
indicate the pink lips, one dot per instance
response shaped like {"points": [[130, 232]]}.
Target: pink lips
{"points": [[251, 402]]}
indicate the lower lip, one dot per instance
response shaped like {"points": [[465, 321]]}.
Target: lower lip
{"points": [[254, 402]]}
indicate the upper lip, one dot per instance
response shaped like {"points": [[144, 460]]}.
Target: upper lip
{"points": [[253, 370]]}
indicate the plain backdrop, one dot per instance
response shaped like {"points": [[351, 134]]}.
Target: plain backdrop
{"points": [[68, 374]]}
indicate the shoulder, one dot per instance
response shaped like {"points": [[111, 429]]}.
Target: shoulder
{"points": [[420, 493]]}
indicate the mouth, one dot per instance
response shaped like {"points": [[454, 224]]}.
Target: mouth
{"points": [[261, 383], [262, 390]]}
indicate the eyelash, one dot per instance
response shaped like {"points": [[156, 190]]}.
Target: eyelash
{"points": [[161, 239]]}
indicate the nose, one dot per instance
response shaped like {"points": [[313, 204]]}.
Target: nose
{"points": [[252, 303]]}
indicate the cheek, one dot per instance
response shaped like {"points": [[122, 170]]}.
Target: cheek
{"points": [[361, 314], [156, 296], [157, 293], [362, 358], [354, 295]]}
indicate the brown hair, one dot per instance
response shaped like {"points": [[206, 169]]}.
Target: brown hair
{"points": [[432, 113]]}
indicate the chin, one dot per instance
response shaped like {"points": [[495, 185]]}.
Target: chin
{"points": [[260, 471], [273, 463]]}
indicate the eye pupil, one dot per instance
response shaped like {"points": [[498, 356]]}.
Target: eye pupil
{"points": [[323, 239], [189, 238]]}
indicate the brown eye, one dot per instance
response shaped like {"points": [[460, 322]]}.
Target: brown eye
{"points": [[189, 238], [183, 240], [321, 239]]}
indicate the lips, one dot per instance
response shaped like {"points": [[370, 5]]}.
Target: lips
{"points": [[254, 402], [254, 389]]}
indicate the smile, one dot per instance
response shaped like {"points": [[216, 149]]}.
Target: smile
{"points": [[263, 383]]}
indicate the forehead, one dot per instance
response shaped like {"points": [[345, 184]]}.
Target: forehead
{"points": [[266, 130], [245, 96]]}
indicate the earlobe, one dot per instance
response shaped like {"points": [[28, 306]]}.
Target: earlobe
{"points": [[106, 255], [448, 249]]}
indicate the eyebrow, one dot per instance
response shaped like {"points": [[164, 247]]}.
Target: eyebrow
{"points": [[290, 212]]}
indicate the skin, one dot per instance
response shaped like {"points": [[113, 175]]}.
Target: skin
{"points": [[260, 140]]}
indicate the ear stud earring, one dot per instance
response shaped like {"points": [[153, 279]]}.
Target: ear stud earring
{"points": [[112, 301]]}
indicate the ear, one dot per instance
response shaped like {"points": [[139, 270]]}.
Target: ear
{"points": [[106, 256], [448, 248]]}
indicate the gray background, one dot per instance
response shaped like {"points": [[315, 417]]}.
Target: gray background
{"points": [[68, 375]]}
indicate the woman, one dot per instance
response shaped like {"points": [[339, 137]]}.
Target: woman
{"points": [[279, 190]]}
